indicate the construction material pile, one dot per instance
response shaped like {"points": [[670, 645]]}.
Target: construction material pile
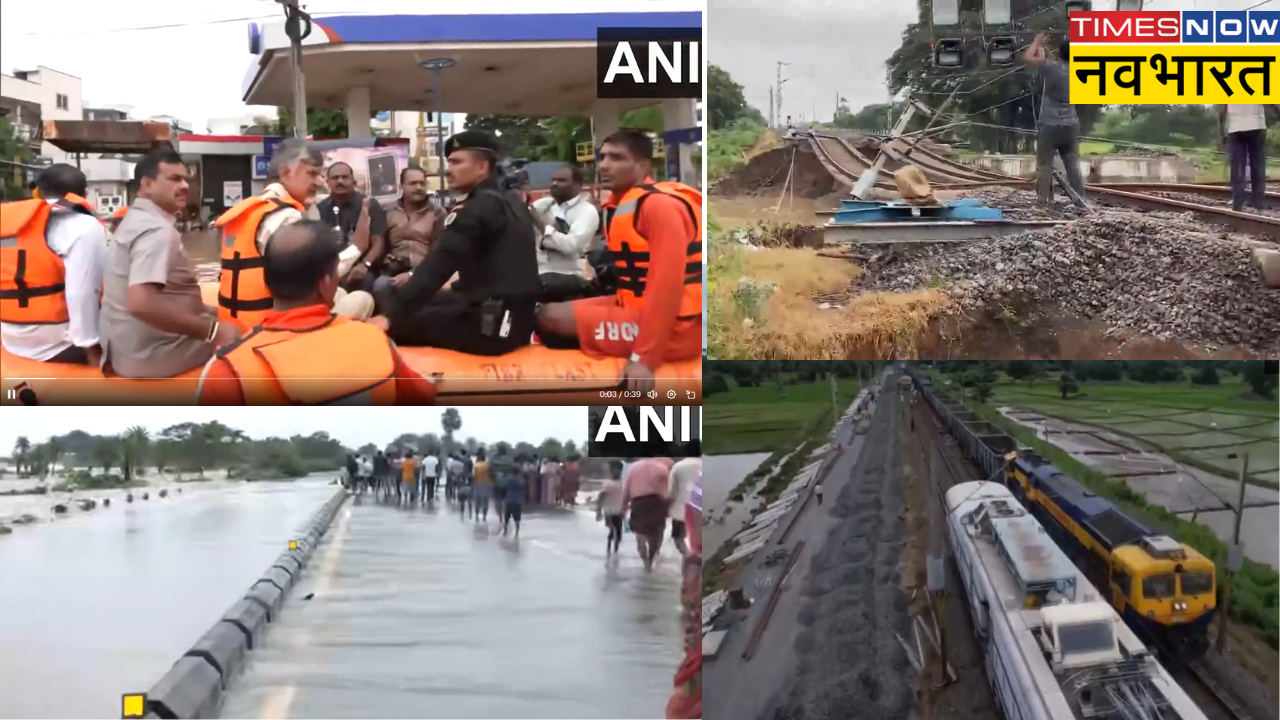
{"points": [[1019, 204], [1160, 274], [772, 235]]}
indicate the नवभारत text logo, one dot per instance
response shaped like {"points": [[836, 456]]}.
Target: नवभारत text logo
{"points": [[1174, 57]]}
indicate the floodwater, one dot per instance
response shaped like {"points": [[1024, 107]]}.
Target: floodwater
{"points": [[1187, 491], [720, 475], [418, 612], [103, 602]]}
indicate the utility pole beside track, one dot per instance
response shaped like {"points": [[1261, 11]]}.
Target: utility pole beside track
{"points": [[1235, 557]]}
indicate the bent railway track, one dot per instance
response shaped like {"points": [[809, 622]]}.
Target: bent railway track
{"points": [[846, 164]]}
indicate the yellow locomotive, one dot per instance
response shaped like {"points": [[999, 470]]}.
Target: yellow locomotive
{"points": [[1163, 589]]}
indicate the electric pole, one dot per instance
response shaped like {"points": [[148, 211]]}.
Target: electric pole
{"points": [[771, 107], [297, 26], [1235, 555], [779, 93]]}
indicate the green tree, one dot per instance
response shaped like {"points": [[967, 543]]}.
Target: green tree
{"points": [[321, 122], [22, 453], [1255, 374], [552, 448], [106, 454], [451, 421], [725, 101], [1207, 375], [982, 389], [162, 455], [1067, 385], [570, 448], [1019, 369], [13, 183], [135, 443], [999, 96]]}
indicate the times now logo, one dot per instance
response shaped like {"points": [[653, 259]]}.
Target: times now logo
{"points": [[649, 63], [1176, 26], [644, 431]]}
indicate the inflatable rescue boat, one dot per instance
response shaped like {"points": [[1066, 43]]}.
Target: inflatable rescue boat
{"points": [[534, 375]]}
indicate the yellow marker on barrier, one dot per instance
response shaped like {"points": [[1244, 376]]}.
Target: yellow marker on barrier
{"points": [[134, 705], [293, 544]]}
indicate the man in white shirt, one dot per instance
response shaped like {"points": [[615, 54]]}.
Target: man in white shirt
{"points": [[80, 240], [430, 469], [1244, 131], [609, 509], [566, 223], [683, 476]]}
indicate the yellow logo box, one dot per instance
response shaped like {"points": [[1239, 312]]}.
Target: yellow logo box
{"points": [[1174, 74]]}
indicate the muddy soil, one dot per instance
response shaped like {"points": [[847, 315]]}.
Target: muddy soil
{"points": [[850, 660], [767, 173]]}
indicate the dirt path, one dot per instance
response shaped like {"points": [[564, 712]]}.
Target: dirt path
{"points": [[853, 602]]}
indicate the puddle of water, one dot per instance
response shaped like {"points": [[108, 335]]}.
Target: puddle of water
{"points": [[726, 471]]}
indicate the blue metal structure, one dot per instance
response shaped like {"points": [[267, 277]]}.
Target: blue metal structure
{"points": [[860, 211]]}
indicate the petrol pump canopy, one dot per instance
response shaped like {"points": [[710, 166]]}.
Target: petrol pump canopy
{"points": [[529, 65]]}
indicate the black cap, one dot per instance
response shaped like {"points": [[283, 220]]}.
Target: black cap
{"points": [[472, 140]]}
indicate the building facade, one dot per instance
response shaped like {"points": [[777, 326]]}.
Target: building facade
{"points": [[58, 94]]}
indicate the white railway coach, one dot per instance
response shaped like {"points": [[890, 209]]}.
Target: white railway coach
{"points": [[1054, 648]]}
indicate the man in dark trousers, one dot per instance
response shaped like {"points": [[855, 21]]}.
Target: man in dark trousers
{"points": [[1058, 124], [360, 220], [488, 242]]}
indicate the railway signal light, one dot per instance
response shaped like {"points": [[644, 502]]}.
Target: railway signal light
{"points": [[946, 12], [1000, 51], [948, 53], [997, 12]]}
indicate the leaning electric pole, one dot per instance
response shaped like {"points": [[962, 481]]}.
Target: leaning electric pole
{"points": [[297, 25], [778, 94]]}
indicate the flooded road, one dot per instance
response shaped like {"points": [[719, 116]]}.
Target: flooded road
{"points": [[103, 602], [421, 613]]}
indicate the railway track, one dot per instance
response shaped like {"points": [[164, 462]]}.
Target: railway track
{"points": [[1224, 702], [846, 166]]}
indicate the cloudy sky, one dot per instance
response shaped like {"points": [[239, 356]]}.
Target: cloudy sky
{"points": [[354, 426], [192, 63], [834, 46]]}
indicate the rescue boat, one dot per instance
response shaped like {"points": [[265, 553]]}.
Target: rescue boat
{"points": [[534, 375]]}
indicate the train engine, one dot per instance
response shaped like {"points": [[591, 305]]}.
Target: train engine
{"points": [[1164, 590]]}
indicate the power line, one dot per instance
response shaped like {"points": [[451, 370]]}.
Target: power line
{"points": [[1264, 2]]}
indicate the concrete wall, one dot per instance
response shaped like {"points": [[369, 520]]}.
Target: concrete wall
{"points": [[1099, 168]]}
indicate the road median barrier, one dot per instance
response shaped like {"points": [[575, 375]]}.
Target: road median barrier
{"points": [[223, 647], [193, 687]]}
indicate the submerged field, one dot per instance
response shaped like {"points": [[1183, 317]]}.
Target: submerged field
{"points": [[1200, 425], [761, 419]]}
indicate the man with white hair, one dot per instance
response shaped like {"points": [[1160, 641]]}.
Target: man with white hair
{"points": [[294, 178]]}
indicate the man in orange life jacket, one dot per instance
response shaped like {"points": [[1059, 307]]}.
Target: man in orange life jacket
{"points": [[52, 249], [302, 353], [295, 176], [654, 231]]}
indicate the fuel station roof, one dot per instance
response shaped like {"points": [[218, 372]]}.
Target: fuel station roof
{"points": [[505, 64]]}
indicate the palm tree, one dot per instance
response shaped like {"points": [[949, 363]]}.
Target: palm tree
{"points": [[53, 450], [21, 449], [451, 421], [105, 452], [135, 442]]}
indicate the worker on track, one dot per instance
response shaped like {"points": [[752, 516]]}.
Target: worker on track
{"points": [[654, 231], [487, 240], [304, 353], [1244, 135], [247, 228], [1059, 126], [52, 253]]}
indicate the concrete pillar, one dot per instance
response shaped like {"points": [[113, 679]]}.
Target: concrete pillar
{"points": [[358, 112], [681, 114], [604, 120]]}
